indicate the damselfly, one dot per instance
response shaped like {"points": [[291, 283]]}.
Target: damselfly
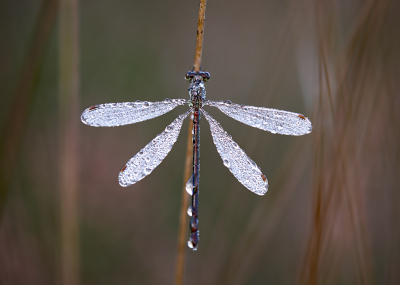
{"points": [[234, 158]]}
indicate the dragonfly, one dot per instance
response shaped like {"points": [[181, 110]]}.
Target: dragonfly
{"points": [[234, 158]]}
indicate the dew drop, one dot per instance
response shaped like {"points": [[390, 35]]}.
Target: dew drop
{"points": [[273, 132], [147, 159], [146, 104], [227, 163], [189, 186], [280, 128], [190, 211], [147, 171], [169, 128], [228, 102], [191, 245], [235, 145]]}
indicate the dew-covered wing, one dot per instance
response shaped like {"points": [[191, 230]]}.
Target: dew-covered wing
{"points": [[118, 114], [146, 160], [235, 159], [272, 120]]}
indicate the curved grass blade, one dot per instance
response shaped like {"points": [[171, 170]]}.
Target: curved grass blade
{"points": [[272, 120], [146, 160], [235, 159], [118, 114]]}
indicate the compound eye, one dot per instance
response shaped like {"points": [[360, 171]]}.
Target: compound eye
{"points": [[206, 76]]}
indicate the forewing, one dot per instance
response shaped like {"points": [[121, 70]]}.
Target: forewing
{"points": [[235, 159], [118, 114], [272, 120], [146, 160]]}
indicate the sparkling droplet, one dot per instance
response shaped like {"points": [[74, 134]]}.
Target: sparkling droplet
{"points": [[273, 132], [191, 245], [280, 128], [190, 211], [227, 163], [147, 159], [146, 104], [169, 128], [228, 102], [235, 145], [147, 171], [189, 186]]}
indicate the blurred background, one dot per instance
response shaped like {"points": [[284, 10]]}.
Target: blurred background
{"points": [[331, 215]]}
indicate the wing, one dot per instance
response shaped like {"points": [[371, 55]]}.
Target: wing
{"points": [[118, 114], [242, 167], [272, 120], [146, 160]]}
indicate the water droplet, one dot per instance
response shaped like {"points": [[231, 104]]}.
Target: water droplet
{"points": [[147, 171], [235, 145], [228, 102], [190, 211], [227, 163], [191, 245], [280, 128], [147, 159], [254, 165], [167, 100], [189, 186], [169, 128], [273, 132]]}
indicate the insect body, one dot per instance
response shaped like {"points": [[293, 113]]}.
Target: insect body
{"points": [[234, 158]]}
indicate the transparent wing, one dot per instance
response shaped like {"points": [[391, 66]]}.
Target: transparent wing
{"points": [[242, 167], [146, 160], [118, 114], [272, 120]]}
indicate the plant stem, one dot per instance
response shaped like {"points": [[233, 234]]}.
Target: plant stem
{"points": [[69, 125]]}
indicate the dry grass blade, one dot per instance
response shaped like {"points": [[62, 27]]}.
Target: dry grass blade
{"points": [[68, 126], [340, 245]]}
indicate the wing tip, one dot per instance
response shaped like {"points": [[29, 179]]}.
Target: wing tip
{"points": [[121, 179]]}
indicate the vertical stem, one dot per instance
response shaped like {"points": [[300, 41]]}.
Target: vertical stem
{"points": [[184, 205], [200, 33], [69, 123], [180, 265]]}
